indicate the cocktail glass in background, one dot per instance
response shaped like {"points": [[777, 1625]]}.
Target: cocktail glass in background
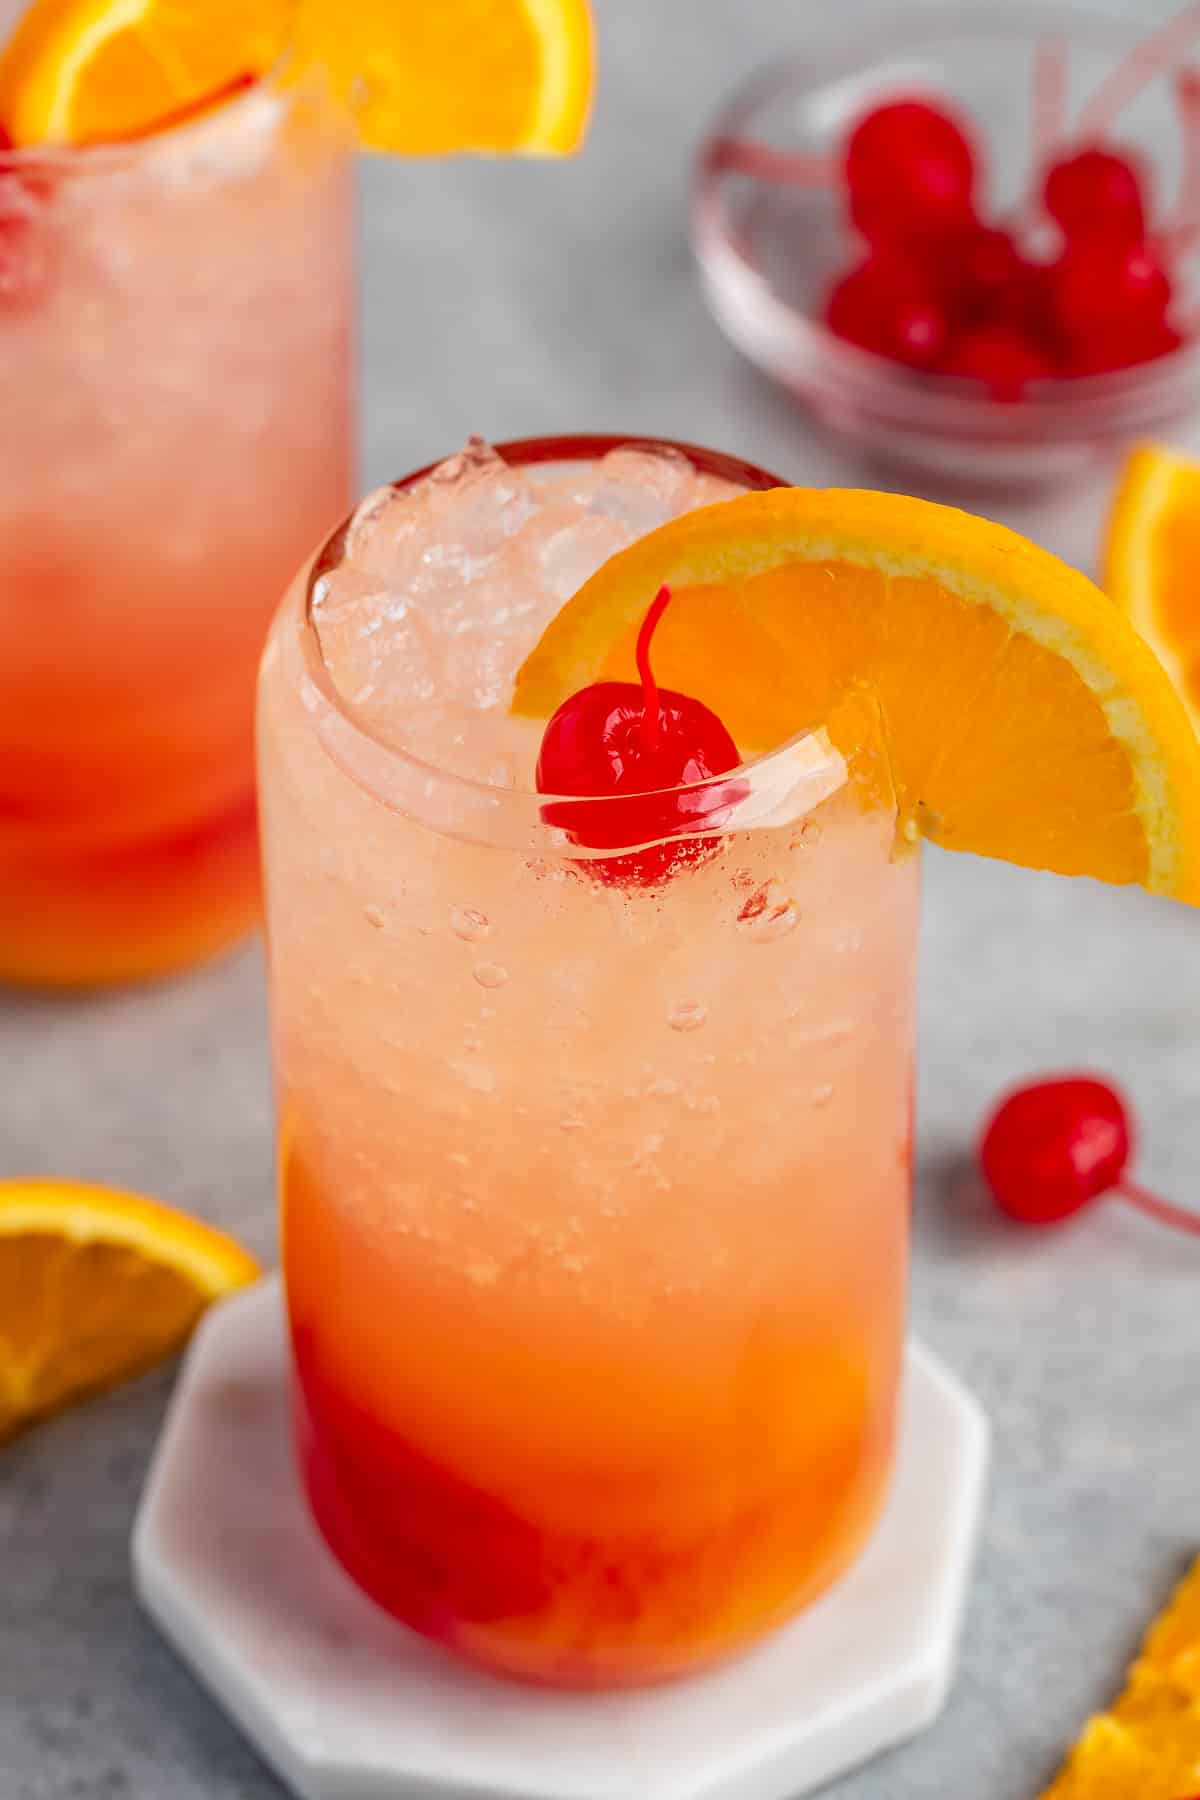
{"points": [[595, 1191], [176, 323]]}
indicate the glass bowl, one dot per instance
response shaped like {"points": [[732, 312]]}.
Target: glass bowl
{"points": [[768, 251]]}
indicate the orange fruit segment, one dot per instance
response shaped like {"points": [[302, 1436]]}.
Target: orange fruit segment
{"points": [[1151, 557], [417, 76], [1147, 1746], [92, 71], [428, 79], [1023, 715], [97, 1285]]}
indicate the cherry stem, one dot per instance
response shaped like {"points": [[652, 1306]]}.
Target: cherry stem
{"points": [[1176, 240], [789, 168], [1048, 108], [1153, 56], [652, 713], [1162, 1210], [1049, 98], [1187, 100]]}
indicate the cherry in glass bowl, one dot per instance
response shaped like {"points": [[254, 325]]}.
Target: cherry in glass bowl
{"points": [[772, 235]]}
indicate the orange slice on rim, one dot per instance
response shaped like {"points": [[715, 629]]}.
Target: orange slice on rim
{"points": [[1024, 717], [430, 78], [417, 76], [1151, 558], [92, 71], [96, 1285]]}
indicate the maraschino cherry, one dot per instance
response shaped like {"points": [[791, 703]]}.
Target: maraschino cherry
{"points": [[947, 290], [1004, 357], [909, 170], [638, 740], [1053, 1146], [886, 304], [975, 270], [1096, 193]]}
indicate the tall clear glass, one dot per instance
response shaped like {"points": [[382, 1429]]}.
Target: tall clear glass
{"points": [[176, 326], [595, 1201]]}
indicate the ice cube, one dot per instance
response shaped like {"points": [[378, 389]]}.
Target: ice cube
{"points": [[406, 666], [478, 502], [574, 552], [480, 666], [385, 534], [377, 645], [476, 458], [642, 488], [347, 589]]}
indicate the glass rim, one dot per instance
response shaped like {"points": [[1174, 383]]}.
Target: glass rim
{"points": [[761, 790], [65, 161]]}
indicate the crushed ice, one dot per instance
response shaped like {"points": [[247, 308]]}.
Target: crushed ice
{"points": [[446, 584]]}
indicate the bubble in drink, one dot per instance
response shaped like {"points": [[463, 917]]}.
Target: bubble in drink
{"points": [[767, 916], [468, 923], [687, 1015]]}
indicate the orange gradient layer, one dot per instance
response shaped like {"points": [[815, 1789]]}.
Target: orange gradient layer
{"points": [[567, 1501], [178, 434], [95, 917]]}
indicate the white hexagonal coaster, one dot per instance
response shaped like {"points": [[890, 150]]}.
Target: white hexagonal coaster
{"points": [[347, 1705]]}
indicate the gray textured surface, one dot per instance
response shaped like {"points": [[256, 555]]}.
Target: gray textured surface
{"points": [[515, 299]]}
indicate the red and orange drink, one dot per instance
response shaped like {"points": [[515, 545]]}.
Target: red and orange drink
{"points": [[595, 1155], [176, 323]]}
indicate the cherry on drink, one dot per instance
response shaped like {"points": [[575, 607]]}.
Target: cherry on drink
{"points": [[651, 744]]}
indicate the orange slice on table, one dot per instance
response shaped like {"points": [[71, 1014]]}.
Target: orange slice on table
{"points": [[97, 1285], [1147, 1745], [418, 76], [1151, 559], [1024, 716]]}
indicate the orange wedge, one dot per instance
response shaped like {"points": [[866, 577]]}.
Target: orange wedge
{"points": [[1151, 557], [1147, 1746], [1024, 717], [418, 76], [90, 71], [436, 76], [97, 1285]]}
